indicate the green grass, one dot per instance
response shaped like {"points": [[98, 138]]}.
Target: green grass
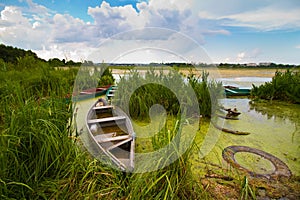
{"points": [[40, 159]]}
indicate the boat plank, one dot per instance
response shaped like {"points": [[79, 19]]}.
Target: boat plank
{"points": [[110, 139], [108, 119], [119, 144], [102, 107]]}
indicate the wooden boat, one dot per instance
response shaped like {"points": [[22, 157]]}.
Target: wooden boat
{"points": [[112, 132], [88, 93], [236, 91]]}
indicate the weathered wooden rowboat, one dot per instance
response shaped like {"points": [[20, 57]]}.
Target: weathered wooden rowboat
{"points": [[111, 130], [235, 91], [88, 93]]}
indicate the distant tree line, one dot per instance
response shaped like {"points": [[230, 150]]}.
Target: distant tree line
{"points": [[254, 65], [11, 56]]}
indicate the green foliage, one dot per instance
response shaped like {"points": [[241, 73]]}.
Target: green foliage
{"points": [[260, 65], [11, 55], [284, 86], [106, 76], [158, 90], [208, 92], [39, 158], [93, 76], [174, 181]]}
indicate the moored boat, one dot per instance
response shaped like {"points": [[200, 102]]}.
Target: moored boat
{"points": [[236, 91], [112, 132], [88, 93]]}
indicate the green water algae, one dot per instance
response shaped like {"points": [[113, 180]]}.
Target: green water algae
{"points": [[274, 128]]}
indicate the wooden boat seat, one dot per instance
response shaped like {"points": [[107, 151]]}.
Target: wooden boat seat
{"points": [[102, 107], [110, 137], [108, 119], [119, 143]]}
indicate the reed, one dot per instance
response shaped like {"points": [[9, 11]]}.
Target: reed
{"points": [[284, 86], [38, 158], [174, 181], [168, 90]]}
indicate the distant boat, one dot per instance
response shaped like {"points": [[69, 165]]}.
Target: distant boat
{"points": [[110, 93], [88, 93], [112, 132], [236, 91]]}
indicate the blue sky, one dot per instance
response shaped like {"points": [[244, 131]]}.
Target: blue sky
{"points": [[231, 31]]}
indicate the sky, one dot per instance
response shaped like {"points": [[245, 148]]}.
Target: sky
{"points": [[228, 31]]}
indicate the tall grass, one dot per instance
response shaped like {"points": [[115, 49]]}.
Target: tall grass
{"points": [[175, 181], [284, 86], [168, 90], [38, 158]]}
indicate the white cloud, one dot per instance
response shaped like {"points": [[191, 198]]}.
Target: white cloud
{"points": [[268, 18], [40, 29], [261, 15], [112, 20], [248, 56], [62, 35], [298, 46], [19, 31]]}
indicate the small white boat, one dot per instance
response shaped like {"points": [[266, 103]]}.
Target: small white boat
{"points": [[111, 130]]}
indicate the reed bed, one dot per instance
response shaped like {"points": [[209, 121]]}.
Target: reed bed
{"points": [[39, 159], [285, 86], [172, 91]]}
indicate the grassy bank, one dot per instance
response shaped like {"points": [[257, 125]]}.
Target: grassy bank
{"points": [[41, 160]]}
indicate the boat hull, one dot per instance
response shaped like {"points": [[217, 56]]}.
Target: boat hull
{"points": [[111, 132], [237, 91]]}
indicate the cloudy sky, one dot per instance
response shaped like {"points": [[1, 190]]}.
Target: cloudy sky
{"points": [[232, 31]]}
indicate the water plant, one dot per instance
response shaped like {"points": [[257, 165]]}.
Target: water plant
{"points": [[246, 190]]}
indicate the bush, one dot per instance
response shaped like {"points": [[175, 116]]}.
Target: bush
{"points": [[284, 86]]}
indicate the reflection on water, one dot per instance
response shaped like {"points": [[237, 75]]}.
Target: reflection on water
{"points": [[279, 111]]}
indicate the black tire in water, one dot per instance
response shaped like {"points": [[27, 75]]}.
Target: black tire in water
{"points": [[281, 169]]}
